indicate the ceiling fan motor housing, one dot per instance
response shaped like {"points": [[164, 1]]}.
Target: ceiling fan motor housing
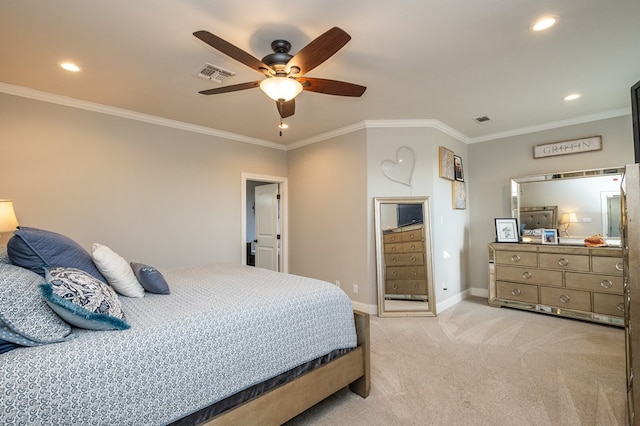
{"points": [[280, 56]]}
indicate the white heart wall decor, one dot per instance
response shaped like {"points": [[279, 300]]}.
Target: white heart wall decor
{"points": [[400, 170]]}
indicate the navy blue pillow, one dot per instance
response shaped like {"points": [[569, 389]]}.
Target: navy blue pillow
{"points": [[150, 278], [37, 249]]}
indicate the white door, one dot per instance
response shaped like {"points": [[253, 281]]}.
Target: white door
{"points": [[266, 198]]}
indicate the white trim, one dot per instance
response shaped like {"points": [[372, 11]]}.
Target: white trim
{"points": [[553, 125], [363, 307], [38, 95], [284, 215]]}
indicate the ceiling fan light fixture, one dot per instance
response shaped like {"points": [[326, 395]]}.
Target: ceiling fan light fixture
{"points": [[278, 88]]}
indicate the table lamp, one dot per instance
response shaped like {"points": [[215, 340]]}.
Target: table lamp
{"points": [[567, 220], [8, 220]]}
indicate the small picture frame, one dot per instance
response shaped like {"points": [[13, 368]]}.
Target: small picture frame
{"points": [[446, 163], [458, 195], [457, 168], [507, 230], [550, 236]]}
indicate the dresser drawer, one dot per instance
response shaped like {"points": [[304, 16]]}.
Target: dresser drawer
{"points": [[405, 273], [594, 282], [519, 258], [517, 291], [565, 262], [528, 275], [404, 259], [406, 287], [608, 304], [566, 298], [393, 248], [392, 237], [413, 246], [606, 265], [412, 235]]}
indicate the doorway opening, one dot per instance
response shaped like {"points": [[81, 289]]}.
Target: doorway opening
{"points": [[258, 253]]}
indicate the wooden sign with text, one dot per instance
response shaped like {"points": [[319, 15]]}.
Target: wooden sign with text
{"points": [[576, 146]]}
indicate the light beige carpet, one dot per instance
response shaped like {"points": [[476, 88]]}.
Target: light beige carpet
{"points": [[478, 365]]}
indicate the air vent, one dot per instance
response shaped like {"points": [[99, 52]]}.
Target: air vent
{"points": [[482, 119], [214, 73]]}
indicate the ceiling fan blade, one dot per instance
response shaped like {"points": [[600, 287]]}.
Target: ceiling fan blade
{"points": [[319, 50], [286, 109], [232, 88], [331, 87], [231, 50]]}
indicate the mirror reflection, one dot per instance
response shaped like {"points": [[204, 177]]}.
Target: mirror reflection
{"points": [[578, 204], [403, 253]]}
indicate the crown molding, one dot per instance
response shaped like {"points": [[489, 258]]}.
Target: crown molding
{"points": [[553, 125], [39, 95]]}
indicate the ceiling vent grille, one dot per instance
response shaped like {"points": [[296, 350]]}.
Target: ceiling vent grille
{"points": [[214, 73], [482, 119]]}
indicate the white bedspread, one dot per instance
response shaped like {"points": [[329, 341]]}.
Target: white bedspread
{"points": [[222, 329]]}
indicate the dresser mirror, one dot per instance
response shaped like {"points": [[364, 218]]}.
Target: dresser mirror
{"points": [[403, 255], [578, 203]]}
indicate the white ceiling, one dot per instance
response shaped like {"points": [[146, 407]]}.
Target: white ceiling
{"points": [[448, 60]]}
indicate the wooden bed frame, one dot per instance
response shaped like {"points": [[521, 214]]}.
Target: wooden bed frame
{"points": [[290, 399]]}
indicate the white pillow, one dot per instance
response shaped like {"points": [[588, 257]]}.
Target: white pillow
{"points": [[117, 271]]}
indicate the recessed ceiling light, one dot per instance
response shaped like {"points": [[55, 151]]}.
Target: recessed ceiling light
{"points": [[70, 66], [571, 97], [544, 23]]}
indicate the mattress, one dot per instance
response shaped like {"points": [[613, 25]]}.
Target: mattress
{"points": [[223, 328]]}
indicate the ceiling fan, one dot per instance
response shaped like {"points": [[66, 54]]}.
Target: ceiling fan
{"points": [[285, 72]]}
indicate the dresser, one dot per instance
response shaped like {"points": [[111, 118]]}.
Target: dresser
{"points": [[404, 258], [572, 281]]}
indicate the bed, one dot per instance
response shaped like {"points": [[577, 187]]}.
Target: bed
{"points": [[230, 344]]}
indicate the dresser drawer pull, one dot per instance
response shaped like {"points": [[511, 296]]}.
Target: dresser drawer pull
{"points": [[414, 272], [606, 284], [412, 258], [394, 260], [619, 266], [563, 262], [412, 236], [392, 238], [526, 275], [515, 258], [395, 286], [393, 248], [415, 286], [413, 246], [565, 298], [621, 307], [516, 292]]}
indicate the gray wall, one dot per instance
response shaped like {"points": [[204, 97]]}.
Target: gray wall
{"points": [[494, 163], [153, 194]]}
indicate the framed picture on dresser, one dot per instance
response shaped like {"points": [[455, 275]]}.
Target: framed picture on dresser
{"points": [[550, 236], [507, 230]]}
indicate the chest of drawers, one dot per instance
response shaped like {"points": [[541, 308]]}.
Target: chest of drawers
{"points": [[578, 282], [404, 252]]}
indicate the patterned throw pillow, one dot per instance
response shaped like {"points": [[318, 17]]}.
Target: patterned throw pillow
{"points": [[24, 317], [150, 278], [82, 300]]}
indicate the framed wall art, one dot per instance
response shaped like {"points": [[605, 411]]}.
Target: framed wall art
{"points": [[457, 168], [459, 195], [507, 230], [446, 163]]}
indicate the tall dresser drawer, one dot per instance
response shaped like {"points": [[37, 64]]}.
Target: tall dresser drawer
{"points": [[565, 262], [413, 246], [528, 275], [406, 287], [517, 291], [412, 235], [405, 273], [393, 248], [608, 304], [606, 265], [594, 282], [519, 258], [566, 298], [404, 259]]}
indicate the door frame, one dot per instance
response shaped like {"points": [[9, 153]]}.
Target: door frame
{"points": [[284, 215]]}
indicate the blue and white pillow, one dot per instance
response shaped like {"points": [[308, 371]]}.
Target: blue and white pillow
{"points": [[82, 300], [25, 318]]}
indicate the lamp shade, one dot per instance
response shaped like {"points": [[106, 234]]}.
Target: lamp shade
{"points": [[569, 218], [8, 220], [278, 88]]}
